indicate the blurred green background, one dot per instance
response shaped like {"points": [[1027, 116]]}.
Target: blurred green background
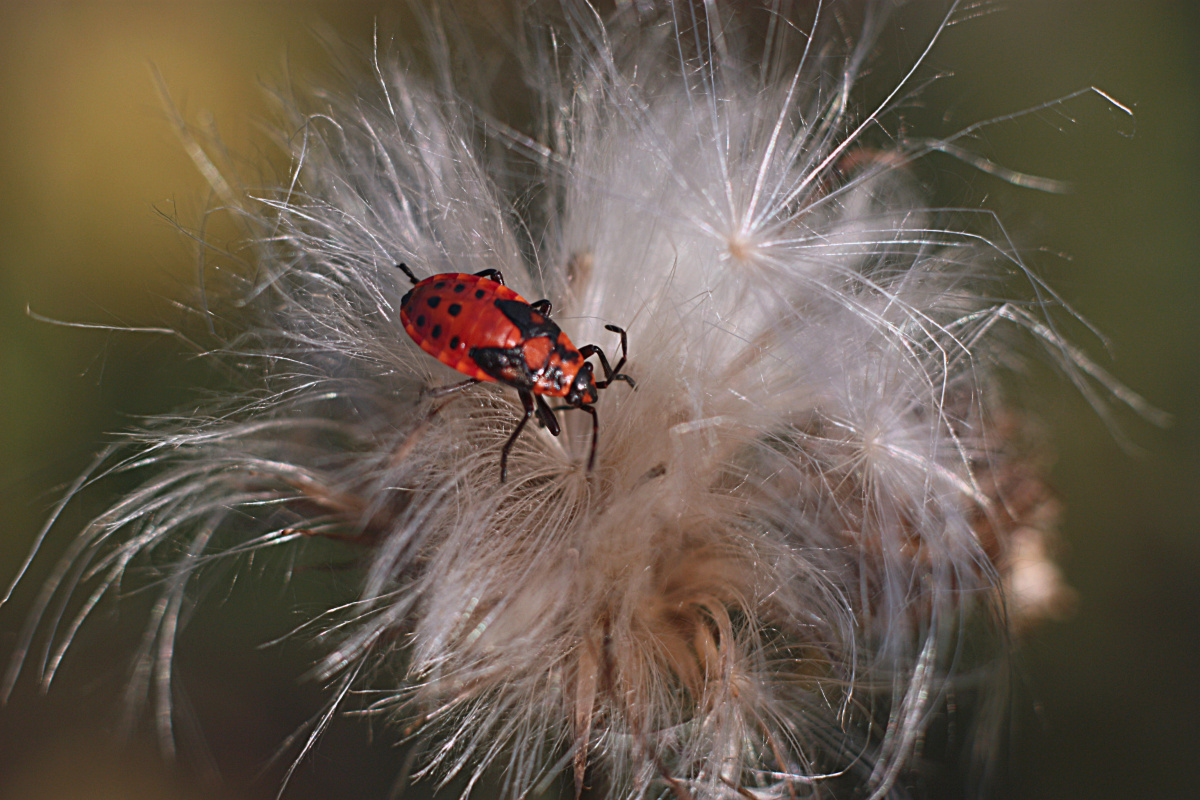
{"points": [[91, 172]]}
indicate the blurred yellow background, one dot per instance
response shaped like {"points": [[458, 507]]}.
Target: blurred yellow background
{"points": [[91, 174]]}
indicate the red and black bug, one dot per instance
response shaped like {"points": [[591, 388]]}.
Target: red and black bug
{"points": [[487, 331]]}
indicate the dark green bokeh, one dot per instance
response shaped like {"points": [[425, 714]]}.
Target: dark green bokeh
{"points": [[89, 167]]}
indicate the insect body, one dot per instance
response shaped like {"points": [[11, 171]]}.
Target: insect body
{"points": [[483, 329]]}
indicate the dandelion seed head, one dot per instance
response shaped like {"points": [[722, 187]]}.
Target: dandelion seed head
{"points": [[762, 586]]}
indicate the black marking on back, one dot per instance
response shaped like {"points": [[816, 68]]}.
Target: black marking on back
{"points": [[530, 323], [566, 354], [505, 364]]}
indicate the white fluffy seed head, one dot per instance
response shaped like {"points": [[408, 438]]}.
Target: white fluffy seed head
{"points": [[764, 587]]}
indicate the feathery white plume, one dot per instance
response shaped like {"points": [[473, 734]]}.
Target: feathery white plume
{"points": [[797, 521]]}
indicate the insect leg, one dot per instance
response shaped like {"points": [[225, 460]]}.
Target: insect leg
{"points": [[491, 274], [620, 376], [546, 416], [404, 268], [530, 408], [542, 307], [595, 433]]}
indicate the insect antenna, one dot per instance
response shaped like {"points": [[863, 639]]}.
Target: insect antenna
{"points": [[614, 373]]}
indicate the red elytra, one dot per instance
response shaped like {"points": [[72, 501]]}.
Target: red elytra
{"points": [[485, 330]]}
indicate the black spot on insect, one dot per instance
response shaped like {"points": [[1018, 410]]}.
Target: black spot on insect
{"points": [[440, 285], [479, 293], [454, 343], [453, 309], [436, 332], [434, 301], [458, 287], [421, 321]]}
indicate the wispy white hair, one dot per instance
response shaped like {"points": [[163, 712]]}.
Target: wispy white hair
{"points": [[799, 523]]}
